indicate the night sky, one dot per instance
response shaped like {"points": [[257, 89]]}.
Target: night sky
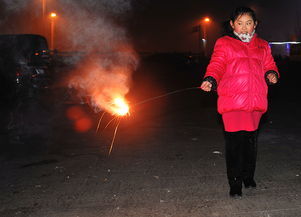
{"points": [[151, 25], [165, 25]]}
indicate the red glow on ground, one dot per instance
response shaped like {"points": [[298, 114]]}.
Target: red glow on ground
{"points": [[83, 124], [75, 113]]}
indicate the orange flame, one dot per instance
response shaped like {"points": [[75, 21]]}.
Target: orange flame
{"points": [[120, 106]]}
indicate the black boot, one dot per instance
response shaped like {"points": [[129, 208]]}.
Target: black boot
{"points": [[250, 155], [235, 187], [234, 161], [249, 183]]}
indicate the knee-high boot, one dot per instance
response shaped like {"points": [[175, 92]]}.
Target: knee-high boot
{"points": [[234, 161], [249, 157]]}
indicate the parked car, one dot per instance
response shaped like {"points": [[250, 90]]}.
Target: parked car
{"points": [[24, 63], [24, 74]]}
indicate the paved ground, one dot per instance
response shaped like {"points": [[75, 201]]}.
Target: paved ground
{"points": [[167, 160]]}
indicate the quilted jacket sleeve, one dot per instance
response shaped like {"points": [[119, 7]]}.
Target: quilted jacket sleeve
{"points": [[217, 65], [269, 63]]}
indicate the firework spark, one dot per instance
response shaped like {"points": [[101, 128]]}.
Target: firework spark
{"points": [[99, 122], [120, 107], [114, 136]]}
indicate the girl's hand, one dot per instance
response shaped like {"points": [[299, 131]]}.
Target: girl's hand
{"points": [[272, 78], [206, 86]]}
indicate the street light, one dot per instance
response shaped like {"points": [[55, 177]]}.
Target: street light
{"points": [[43, 9], [204, 22], [52, 15], [206, 19], [52, 23], [43, 19]]}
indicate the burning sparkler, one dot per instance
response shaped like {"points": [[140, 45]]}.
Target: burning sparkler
{"points": [[105, 87], [120, 108]]}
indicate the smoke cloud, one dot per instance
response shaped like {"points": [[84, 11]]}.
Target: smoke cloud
{"points": [[93, 27], [107, 6], [14, 5], [9, 12]]}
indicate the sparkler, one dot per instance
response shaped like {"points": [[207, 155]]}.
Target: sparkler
{"points": [[98, 125], [113, 119], [166, 94], [120, 108], [111, 146]]}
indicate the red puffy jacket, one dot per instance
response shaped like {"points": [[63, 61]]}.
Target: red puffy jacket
{"points": [[239, 69]]}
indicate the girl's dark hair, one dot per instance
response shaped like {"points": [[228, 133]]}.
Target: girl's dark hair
{"points": [[241, 11], [235, 14]]}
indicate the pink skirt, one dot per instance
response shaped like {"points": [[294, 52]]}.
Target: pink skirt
{"points": [[241, 120]]}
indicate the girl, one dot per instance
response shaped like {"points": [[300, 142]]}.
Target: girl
{"points": [[240, 67]]}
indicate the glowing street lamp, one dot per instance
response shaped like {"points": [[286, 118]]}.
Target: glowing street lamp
{"points": [[53, 16], [43, 20], [43, 9], [204, 22], [207, 20]]}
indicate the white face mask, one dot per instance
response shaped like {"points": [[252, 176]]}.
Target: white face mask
{"points": [[245, 37]]}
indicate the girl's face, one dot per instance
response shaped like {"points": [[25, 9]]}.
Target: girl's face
{"points": [[243, 24]]}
